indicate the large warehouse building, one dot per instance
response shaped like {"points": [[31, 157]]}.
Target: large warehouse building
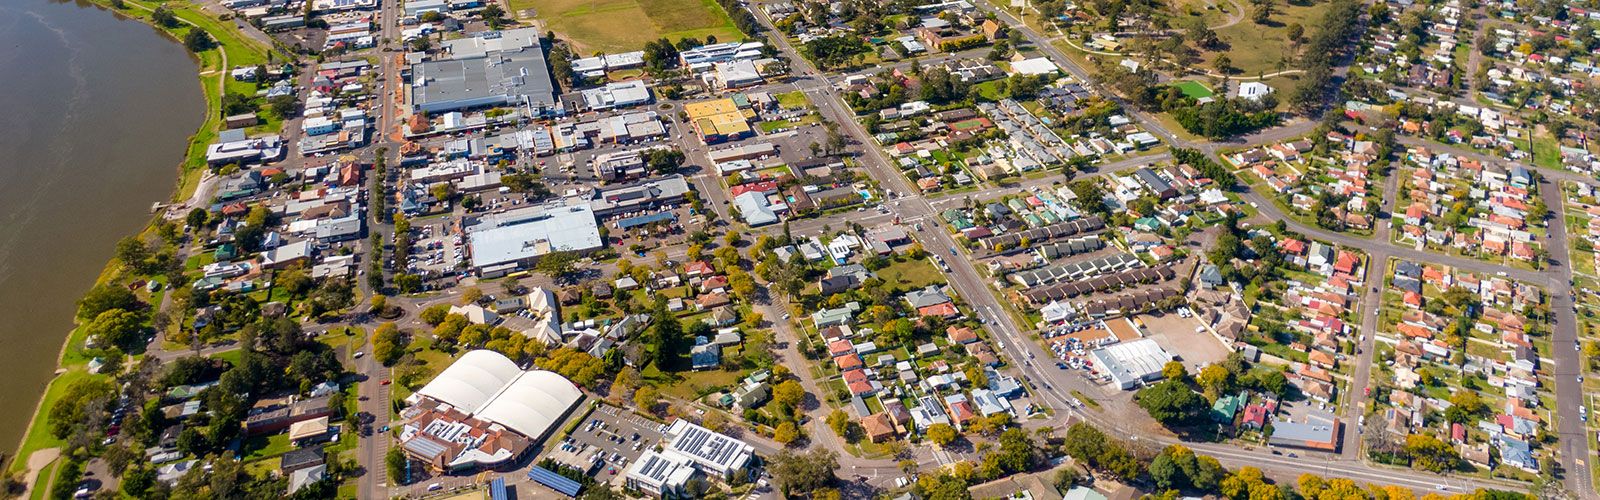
{"points": [[1131, 363], [497, 68], [481, 411], [502, 243]]}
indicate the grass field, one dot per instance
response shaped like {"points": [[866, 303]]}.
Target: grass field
{"points": [[1258, 48], [1194, 89], [624, 25]]}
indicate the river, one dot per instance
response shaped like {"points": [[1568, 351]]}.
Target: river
{"points": [[95, 114]]}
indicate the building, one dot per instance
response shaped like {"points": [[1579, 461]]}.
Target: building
{"points": [[690, 450], [718, 120], [235, 148], [641, 195], [703, 58], [497, 68], [617, 95], [1319, 436], [1254, 90], [755, 209], [483, 410], [1131, 363], [735, 74], [501, 243]]}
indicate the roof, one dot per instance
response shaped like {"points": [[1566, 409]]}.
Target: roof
{"points": [[470, 78], [308, 428], [533, 231], [555, 481], [709, 450], [491, 387], [1132, 361]]}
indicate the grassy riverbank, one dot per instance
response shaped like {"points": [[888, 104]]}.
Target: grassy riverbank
{"points": [[232, 49]]}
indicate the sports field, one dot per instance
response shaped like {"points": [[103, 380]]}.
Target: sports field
{"points": [[624, 25], [1194, 89]]}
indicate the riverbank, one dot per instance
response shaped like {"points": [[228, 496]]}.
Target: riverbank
{"points": [[231, 49]]}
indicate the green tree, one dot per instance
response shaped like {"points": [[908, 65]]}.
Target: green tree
{"points": [[197, 40], [1171, 402], [557, 265], [794, 472], [118, 327], [163, 17], [395, 460], [105, 297]]}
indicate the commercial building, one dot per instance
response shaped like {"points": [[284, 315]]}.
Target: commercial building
{"points": [[617, 95], [501, 243], [718, 120], [1130, 363], [703, 58], [641, 195], [597, 66], [497, 68], [690, 450], [734, 74], [233, 147], [1310, 436], [755, 209], [481, 411]]}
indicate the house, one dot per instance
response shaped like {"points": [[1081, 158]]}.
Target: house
{"points": [[1254, 90], [878, 427]]}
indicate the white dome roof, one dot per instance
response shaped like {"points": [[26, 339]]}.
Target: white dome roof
{"points": [[532, 403], [472, 381]]}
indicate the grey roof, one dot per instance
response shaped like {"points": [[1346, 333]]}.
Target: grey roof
{"points": [[533, 231], [493, 68]]}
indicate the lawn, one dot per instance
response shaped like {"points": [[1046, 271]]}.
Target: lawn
{"points": [[1546, 151], [910, 275], [259, 447], [791, 100], [1194, 89], [594, 25], [1258, 48]]}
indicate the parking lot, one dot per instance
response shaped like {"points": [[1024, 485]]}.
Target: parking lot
{"points": [[436, 250], [609, 440], [1185, 337]]}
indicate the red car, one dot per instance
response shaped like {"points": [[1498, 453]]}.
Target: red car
{"points": [[385, 382]]}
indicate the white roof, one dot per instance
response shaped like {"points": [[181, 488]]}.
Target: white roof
{"points": [[1035, 66], [472, 381], [532, 403], [491, 387], [1130, 362]]}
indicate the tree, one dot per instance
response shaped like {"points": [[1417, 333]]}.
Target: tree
{"points": [[840, 422], [664, 161], [1295, 31], [803, 471], [646, 398], [941, 434], [84, 398], [395, 460], [434, 314], [557, 265], [118, 327], [1174, 370], [786, 433], [788, 394], [1223, 63], [386, 344], [715, 421], [1171, 402], [163, 17], [1216, 380], [197, 40], [104, 297], [1431, 454]]}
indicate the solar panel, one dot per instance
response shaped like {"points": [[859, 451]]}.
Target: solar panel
{"points": [[557, 482]]}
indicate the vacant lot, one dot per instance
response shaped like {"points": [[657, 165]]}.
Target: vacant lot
{"points": [[625, 25]]}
